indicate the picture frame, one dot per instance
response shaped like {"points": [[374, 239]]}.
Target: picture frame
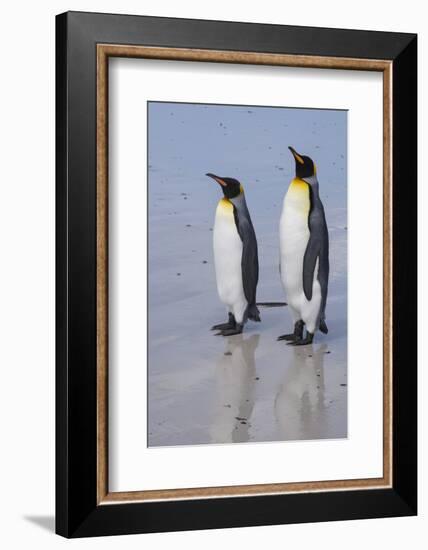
{"points": [[84, 44]]}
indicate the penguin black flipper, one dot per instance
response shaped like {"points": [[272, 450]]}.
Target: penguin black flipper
{"points": [[312, 253], [316, 249], [249, 260], [323, 272]]}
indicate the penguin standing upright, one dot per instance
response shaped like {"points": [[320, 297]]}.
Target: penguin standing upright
{"points": [[304, 263], [235, 257]]}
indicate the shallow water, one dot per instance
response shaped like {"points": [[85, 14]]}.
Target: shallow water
{"points": [[209, 389]]}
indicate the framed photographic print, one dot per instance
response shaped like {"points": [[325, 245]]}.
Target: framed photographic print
{"points": [[236, 274]]}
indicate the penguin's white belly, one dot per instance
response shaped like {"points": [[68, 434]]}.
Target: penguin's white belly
{"points": [[294, 237], [227, 259]]}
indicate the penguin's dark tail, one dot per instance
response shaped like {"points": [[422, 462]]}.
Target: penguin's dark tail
{"points": [[253, 313], [272, 304], [323, 326]]}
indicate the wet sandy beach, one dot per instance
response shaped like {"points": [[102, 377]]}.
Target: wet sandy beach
{"points": [[245, 388]]}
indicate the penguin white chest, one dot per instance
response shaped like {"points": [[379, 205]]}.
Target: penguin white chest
{"points": [[227, 258], [294, 237]]}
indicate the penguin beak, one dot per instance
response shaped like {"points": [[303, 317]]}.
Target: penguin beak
{"points": [[296, 156], [217, 179]]}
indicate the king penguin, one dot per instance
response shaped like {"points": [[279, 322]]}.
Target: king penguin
{"points": [[304, 262], [235, 257]]}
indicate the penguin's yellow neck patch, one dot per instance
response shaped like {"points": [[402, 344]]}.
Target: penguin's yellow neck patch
{"points": [[225, 207], [297, 184], [298, 195]]}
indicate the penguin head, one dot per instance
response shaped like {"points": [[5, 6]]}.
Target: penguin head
{"points": [[305, 166], [231, 187]]}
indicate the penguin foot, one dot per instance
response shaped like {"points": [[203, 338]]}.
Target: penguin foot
{"points": [[231, 331], [296, 335], [303, 341], [223, 326], [292, 337], [231, 323]]}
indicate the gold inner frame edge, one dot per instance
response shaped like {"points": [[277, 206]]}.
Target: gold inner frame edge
{"points": [[104, 51]]}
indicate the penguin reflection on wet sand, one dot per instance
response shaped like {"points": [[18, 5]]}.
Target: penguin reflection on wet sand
{"points": [[304, 262], [235, 257], [301, 409], [235, 393]]}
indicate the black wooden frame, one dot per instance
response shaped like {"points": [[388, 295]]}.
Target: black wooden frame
{"points": [[77, 513]]}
